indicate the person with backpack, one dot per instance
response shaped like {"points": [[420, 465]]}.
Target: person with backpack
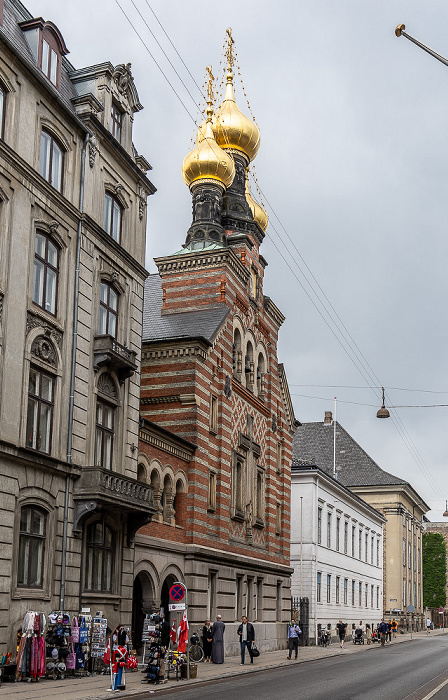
{"points": [[294, 632]]}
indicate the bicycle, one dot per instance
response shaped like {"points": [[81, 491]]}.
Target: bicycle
{"points": [[196, 650]]}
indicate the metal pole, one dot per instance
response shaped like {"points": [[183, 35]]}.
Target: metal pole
{"points": [[399, 31], [301, 546], [335, 476]]}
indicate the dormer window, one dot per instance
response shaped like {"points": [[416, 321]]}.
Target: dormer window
{"points": [[49, 65], [116, 122], [47, 46]]}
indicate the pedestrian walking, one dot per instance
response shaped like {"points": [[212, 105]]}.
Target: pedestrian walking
{"points": [[394, 628], [207, 641], [428, 626], [341, 628], [218, 641], [246, 633], [294, 632], [389, 632], [368, 634], [382, 629]]}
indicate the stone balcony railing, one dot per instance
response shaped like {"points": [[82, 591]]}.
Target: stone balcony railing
{"points": [[110, 353], [100, 489]]}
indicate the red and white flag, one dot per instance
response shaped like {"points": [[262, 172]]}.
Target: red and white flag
{"points": [[183, 634], [106, 657], [173, 635]]}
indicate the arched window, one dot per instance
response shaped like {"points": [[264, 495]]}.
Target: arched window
{"points": [[40, 410], [141, 473], [237, 354], [113, 214], [99, 557], [249, 366], [261, 371], [51, 160], [179, 503], [108, 310], [31, 547], [46, 271]]}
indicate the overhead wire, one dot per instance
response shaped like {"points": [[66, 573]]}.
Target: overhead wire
{"points": [[344, 338]]}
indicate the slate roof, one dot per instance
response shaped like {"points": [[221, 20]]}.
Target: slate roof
{"points": [[13, 13], [313, 444], [203, 324]]}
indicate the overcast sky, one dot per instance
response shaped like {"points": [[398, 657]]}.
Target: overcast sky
{"points": [[353, 160]]}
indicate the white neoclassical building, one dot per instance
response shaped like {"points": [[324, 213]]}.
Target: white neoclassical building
{"points": [[336, 550]]}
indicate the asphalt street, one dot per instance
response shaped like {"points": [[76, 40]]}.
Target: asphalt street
{"points": [[410, 671]]}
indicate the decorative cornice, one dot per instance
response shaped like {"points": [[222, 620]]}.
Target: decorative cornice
{"points": [[250, 398], [273, 311], [173, 352], [35, 321], [196, 260], [165, 445]]}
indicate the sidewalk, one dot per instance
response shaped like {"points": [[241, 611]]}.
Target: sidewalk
{"points": [[96, 687]]}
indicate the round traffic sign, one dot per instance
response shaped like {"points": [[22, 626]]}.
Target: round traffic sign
{"points": [[177, 592]]}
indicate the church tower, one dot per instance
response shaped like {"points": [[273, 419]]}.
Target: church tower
{"points": [[213, 390]]}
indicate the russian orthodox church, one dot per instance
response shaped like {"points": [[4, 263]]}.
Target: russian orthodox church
{"points": [[216, 415]]}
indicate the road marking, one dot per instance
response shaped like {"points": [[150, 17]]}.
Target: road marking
{"points": [[435, 691]]}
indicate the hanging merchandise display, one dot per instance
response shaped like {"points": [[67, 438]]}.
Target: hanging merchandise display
{"points": [[31, 653], [57, 644]]}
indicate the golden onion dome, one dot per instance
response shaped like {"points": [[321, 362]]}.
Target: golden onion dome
{"points": [[208, 161], [259, 214], [232, 128]]}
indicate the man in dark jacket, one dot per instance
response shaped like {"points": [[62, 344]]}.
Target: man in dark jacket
{"points": [[383, 629], [246, 634]]}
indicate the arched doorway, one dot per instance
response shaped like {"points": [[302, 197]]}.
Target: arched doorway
{"points": [[143, 603], [164, 596]]}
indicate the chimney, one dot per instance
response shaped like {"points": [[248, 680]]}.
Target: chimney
{"points": [[328, 418]]}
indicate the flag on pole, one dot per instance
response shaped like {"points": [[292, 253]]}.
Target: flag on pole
{"points": [[173, 635], [106, 657], [183, 634]]}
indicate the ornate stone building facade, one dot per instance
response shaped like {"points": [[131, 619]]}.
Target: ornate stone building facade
{"points": [[210, 375], [73, 196]]}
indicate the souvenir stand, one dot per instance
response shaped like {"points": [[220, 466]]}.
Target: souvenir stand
{"points": [[57, 647], [31, 652], [98, 642], [153, 652]]}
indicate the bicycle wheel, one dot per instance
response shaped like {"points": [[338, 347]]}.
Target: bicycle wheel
{"points": [[196, 653]]}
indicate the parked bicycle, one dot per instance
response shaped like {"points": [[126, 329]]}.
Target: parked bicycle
{"points": [[196, 650]]}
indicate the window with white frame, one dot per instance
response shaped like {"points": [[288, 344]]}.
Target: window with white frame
{"points": [[104, 434], [319, 587], [328, 529], [40, 408], [108, 312], [113, 215], [338, 583], [338, 528], [328, 588], [346, 591], [51, 160], [45, 273], [319, 525]]}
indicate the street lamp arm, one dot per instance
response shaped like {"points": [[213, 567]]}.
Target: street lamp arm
{"points": [[399, 31]]}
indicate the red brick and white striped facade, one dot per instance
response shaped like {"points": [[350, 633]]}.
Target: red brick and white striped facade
{"points": [[227, 396]]}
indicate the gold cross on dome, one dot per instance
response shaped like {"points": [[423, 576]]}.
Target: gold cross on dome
{"points": [[211, 78], [229, 47]]}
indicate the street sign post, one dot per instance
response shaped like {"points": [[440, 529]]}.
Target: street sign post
{"points": [[177, 593], [411, 611]]}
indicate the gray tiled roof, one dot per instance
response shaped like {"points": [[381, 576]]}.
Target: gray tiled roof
{"points": [[313, 444], [189, 324]]}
